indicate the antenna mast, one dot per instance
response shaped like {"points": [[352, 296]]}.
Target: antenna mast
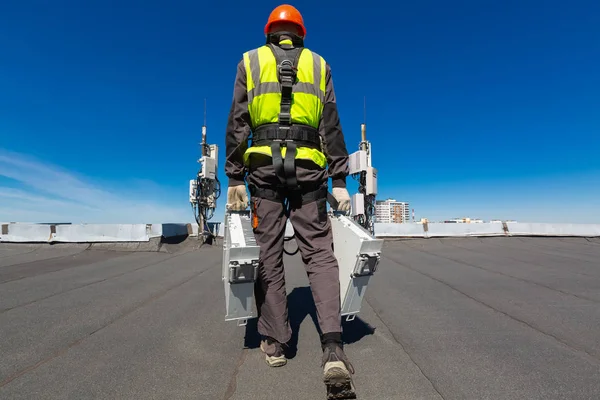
{"points": [[206, 188], [362, 170], [365, 110], [205, 148]]}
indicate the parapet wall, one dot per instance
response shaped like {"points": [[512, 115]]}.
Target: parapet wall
{"points": [[89, 233], [485, 229], [96, 233]]}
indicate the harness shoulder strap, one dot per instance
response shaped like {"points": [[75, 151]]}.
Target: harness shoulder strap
{"points": [[287, 66], [281, 54]]}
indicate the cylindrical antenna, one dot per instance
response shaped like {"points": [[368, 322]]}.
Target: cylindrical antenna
{"points": [[365, 110], [363, 126], [204, 150]]}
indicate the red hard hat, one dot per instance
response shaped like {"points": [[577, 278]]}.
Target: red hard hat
{"points": [[288, 13]]}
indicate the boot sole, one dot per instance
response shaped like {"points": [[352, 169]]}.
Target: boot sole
{"points": [[339, 384], [273, 361]]}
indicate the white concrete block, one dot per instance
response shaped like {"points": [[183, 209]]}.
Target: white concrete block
{"points": [[24, 232], [398, 230], [464, 230], [537, 229], [105, 233]]}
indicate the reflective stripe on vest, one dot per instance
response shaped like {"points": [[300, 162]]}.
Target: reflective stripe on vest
{"points": [[264, 96]]}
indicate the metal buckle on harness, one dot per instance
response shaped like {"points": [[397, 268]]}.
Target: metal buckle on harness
{"points": [[287, 72], [285, 120], [281, 143]]}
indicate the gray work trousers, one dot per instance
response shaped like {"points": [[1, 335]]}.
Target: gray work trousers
{"points": [[315, 241]]}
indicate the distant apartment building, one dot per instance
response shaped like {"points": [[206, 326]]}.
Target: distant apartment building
{"points": [[464, 220], [392, 211]]}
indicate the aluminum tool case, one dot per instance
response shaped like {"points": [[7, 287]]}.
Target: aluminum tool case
{"points": [[240, 267], [358, 254]]}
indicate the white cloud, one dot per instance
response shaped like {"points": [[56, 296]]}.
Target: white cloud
{"points": [[41, 192]]}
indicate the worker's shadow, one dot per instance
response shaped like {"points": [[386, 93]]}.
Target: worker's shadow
{"points": [[300, 305]]}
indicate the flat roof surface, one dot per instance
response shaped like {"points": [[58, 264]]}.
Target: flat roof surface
{"points": [[464, 318]]}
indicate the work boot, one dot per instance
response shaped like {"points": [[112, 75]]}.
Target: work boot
{"points": [[273, 352], [337, 372]]}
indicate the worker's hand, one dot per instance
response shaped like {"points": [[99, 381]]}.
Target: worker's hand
{"points": [[237, 198], [342, 197]]}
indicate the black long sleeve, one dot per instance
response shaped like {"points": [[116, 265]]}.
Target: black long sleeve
{"points": [[331, 131], [238, 130]]}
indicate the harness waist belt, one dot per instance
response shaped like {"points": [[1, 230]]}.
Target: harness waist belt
{"points": [[308, 195], [303, 135]]}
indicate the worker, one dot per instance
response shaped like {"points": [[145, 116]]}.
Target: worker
{"points": [[284, 96]]}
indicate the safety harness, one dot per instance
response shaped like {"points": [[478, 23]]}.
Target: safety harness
{"points": [[284, 133]]}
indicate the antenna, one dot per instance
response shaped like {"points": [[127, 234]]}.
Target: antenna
{"points": [[363, 126], [204, 145], [365, 110]]}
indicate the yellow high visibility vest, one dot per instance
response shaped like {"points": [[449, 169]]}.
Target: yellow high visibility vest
{"points": [[264, 97]]}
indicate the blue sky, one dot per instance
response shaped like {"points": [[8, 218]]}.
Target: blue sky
{"points": [[487, 109]]}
